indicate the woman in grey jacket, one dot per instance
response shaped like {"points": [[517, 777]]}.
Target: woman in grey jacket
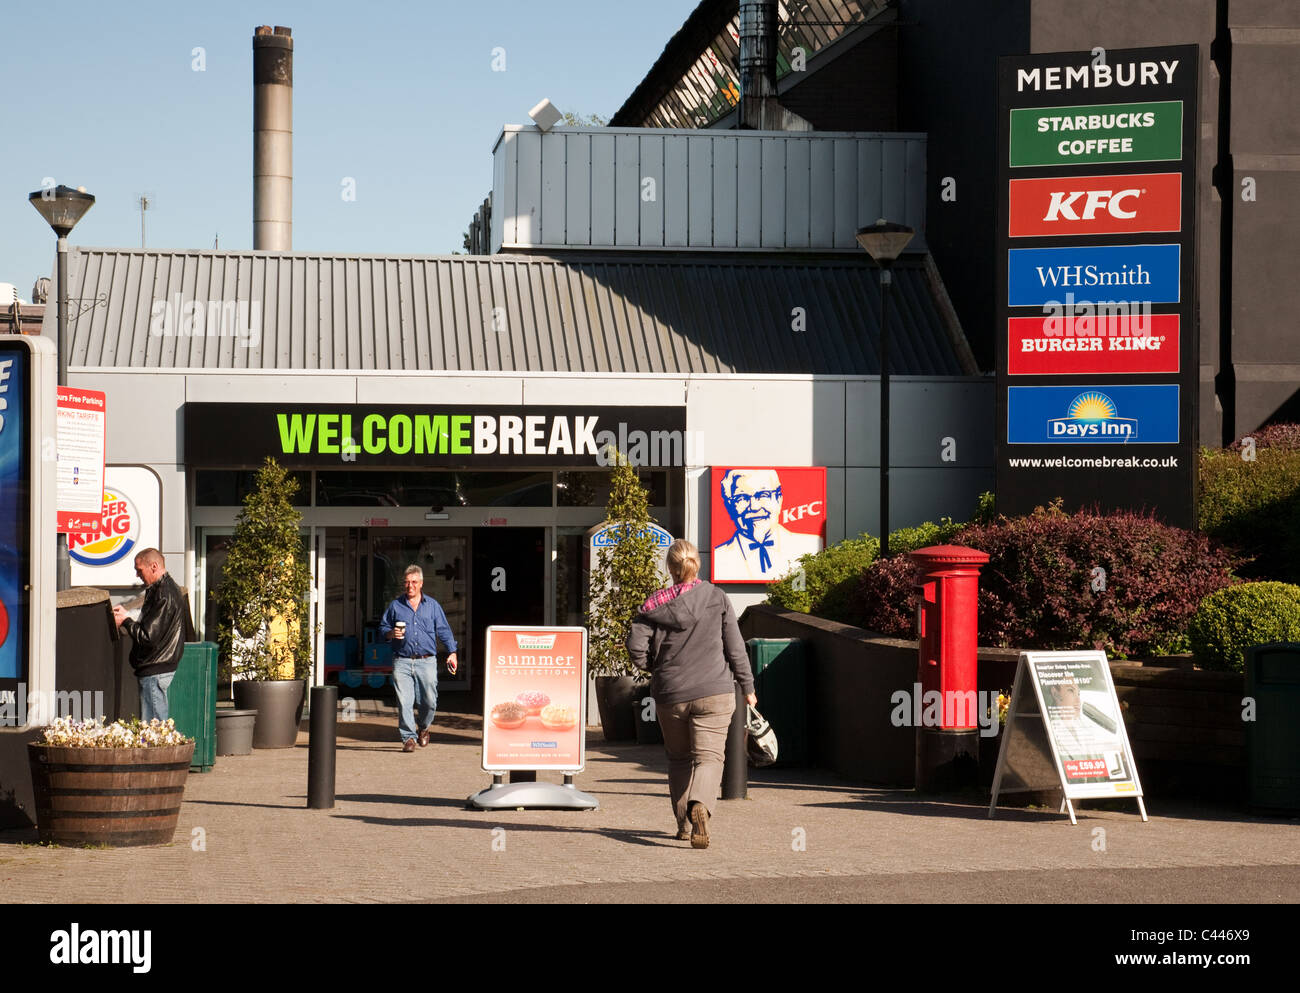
{"points": [[686, 636]]}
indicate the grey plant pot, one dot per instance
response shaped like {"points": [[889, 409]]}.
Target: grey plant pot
{"points": [[614, 698], [278, 703], [235, 731]]}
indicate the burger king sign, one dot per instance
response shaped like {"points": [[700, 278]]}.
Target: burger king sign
{"points": [[129, 524]]}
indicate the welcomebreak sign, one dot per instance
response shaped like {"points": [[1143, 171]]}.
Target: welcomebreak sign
{"points": [[1097, 372], [310, 436]]}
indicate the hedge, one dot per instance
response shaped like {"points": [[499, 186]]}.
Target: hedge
{"points": [[1254, 504], [1231, 620], [1122, 582]]}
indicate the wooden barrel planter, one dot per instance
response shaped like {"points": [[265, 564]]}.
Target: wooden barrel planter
{"points": [[108, 796]]}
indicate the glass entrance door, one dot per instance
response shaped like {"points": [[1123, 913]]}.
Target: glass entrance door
{"points": [[444, 558]]}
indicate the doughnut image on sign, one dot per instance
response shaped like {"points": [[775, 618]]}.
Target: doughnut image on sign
{"points": [[558, 717], [4, 623], [509, 715], [533, 701]]}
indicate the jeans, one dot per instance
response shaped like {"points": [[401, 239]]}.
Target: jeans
{"points": [[153, 696], [695, 738], [416, 683]]}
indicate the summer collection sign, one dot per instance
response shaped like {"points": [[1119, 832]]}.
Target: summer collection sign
{"points": [[534, 699], [1097, 371]]}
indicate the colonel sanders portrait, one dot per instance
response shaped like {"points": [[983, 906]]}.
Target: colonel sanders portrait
{"points": [[760, 548]]}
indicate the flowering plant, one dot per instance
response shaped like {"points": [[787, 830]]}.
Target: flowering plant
{"points": [[134, 733], [1004, 701]]}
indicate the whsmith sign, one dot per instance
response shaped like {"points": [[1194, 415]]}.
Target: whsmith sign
{"points": [[305, 436], [1097, 360]]}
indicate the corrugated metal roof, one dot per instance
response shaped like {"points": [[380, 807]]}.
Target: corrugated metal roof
{"points": [[598, 312]]}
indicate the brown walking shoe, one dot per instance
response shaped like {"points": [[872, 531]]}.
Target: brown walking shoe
{"points": [[699, 815], [408, 745], [684, 832], [423, 737]]}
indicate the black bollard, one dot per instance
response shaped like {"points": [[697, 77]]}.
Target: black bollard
{"points": [[322, 736], [735, 770]]}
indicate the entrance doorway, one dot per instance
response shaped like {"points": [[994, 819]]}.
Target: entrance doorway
{"points": [[509, 585], [480, 576]]}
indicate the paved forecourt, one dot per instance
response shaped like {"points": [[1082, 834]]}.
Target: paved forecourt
{"points": [[399, 832]]}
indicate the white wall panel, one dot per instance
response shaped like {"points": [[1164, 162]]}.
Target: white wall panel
{"points": [[602, 189], [554, 188], [142, 412], [528, 188], [603, 390], [259, 388], [627, 190], [749, 192], [769, 190], [774, 192], [578, 187], [822, 191], [674, 192], [761, 421], [798, 195], [699, 183], [442, 389], [726, 192], [652, 209]]}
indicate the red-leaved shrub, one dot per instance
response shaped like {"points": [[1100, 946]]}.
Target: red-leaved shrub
{"points": [[1121, 582]]}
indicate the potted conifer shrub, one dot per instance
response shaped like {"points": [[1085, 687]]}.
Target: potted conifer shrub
{"points": [[263, 627], [625, 571]]}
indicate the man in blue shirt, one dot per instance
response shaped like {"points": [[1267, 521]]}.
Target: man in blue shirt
{"points": [[415, 623]]}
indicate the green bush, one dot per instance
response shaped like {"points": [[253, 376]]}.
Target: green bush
{"points": [[1254, 505], [906, 540], [825, 580], [1231, 620]]}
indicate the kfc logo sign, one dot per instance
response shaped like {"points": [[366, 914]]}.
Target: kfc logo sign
{"points": [[764, 519], [1092, 205], [1063, 204], [813, 509]]}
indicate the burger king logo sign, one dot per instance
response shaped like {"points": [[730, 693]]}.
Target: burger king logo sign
{"points": [[118, 534]]}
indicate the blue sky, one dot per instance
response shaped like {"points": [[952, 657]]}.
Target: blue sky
{"points": [[401, 97]]}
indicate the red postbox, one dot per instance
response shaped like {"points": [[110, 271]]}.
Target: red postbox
{"points": [[947, 628]]}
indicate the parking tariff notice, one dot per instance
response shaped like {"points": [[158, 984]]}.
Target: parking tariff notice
{"points": [[80, 449]]}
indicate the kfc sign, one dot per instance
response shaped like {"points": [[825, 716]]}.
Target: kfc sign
{"points": [[1090, 205], [763, 520]]}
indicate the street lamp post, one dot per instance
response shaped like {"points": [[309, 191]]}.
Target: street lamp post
{"points": [[884, 242], [62, 207]]}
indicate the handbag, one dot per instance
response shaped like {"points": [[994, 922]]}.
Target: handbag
{"points": [[760, 739]]}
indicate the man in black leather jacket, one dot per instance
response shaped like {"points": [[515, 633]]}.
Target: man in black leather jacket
{"points": [[158, 636]]}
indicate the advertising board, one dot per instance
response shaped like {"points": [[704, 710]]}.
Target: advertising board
{"points": [[1097, 256], [535, 683], [15, 494]]}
